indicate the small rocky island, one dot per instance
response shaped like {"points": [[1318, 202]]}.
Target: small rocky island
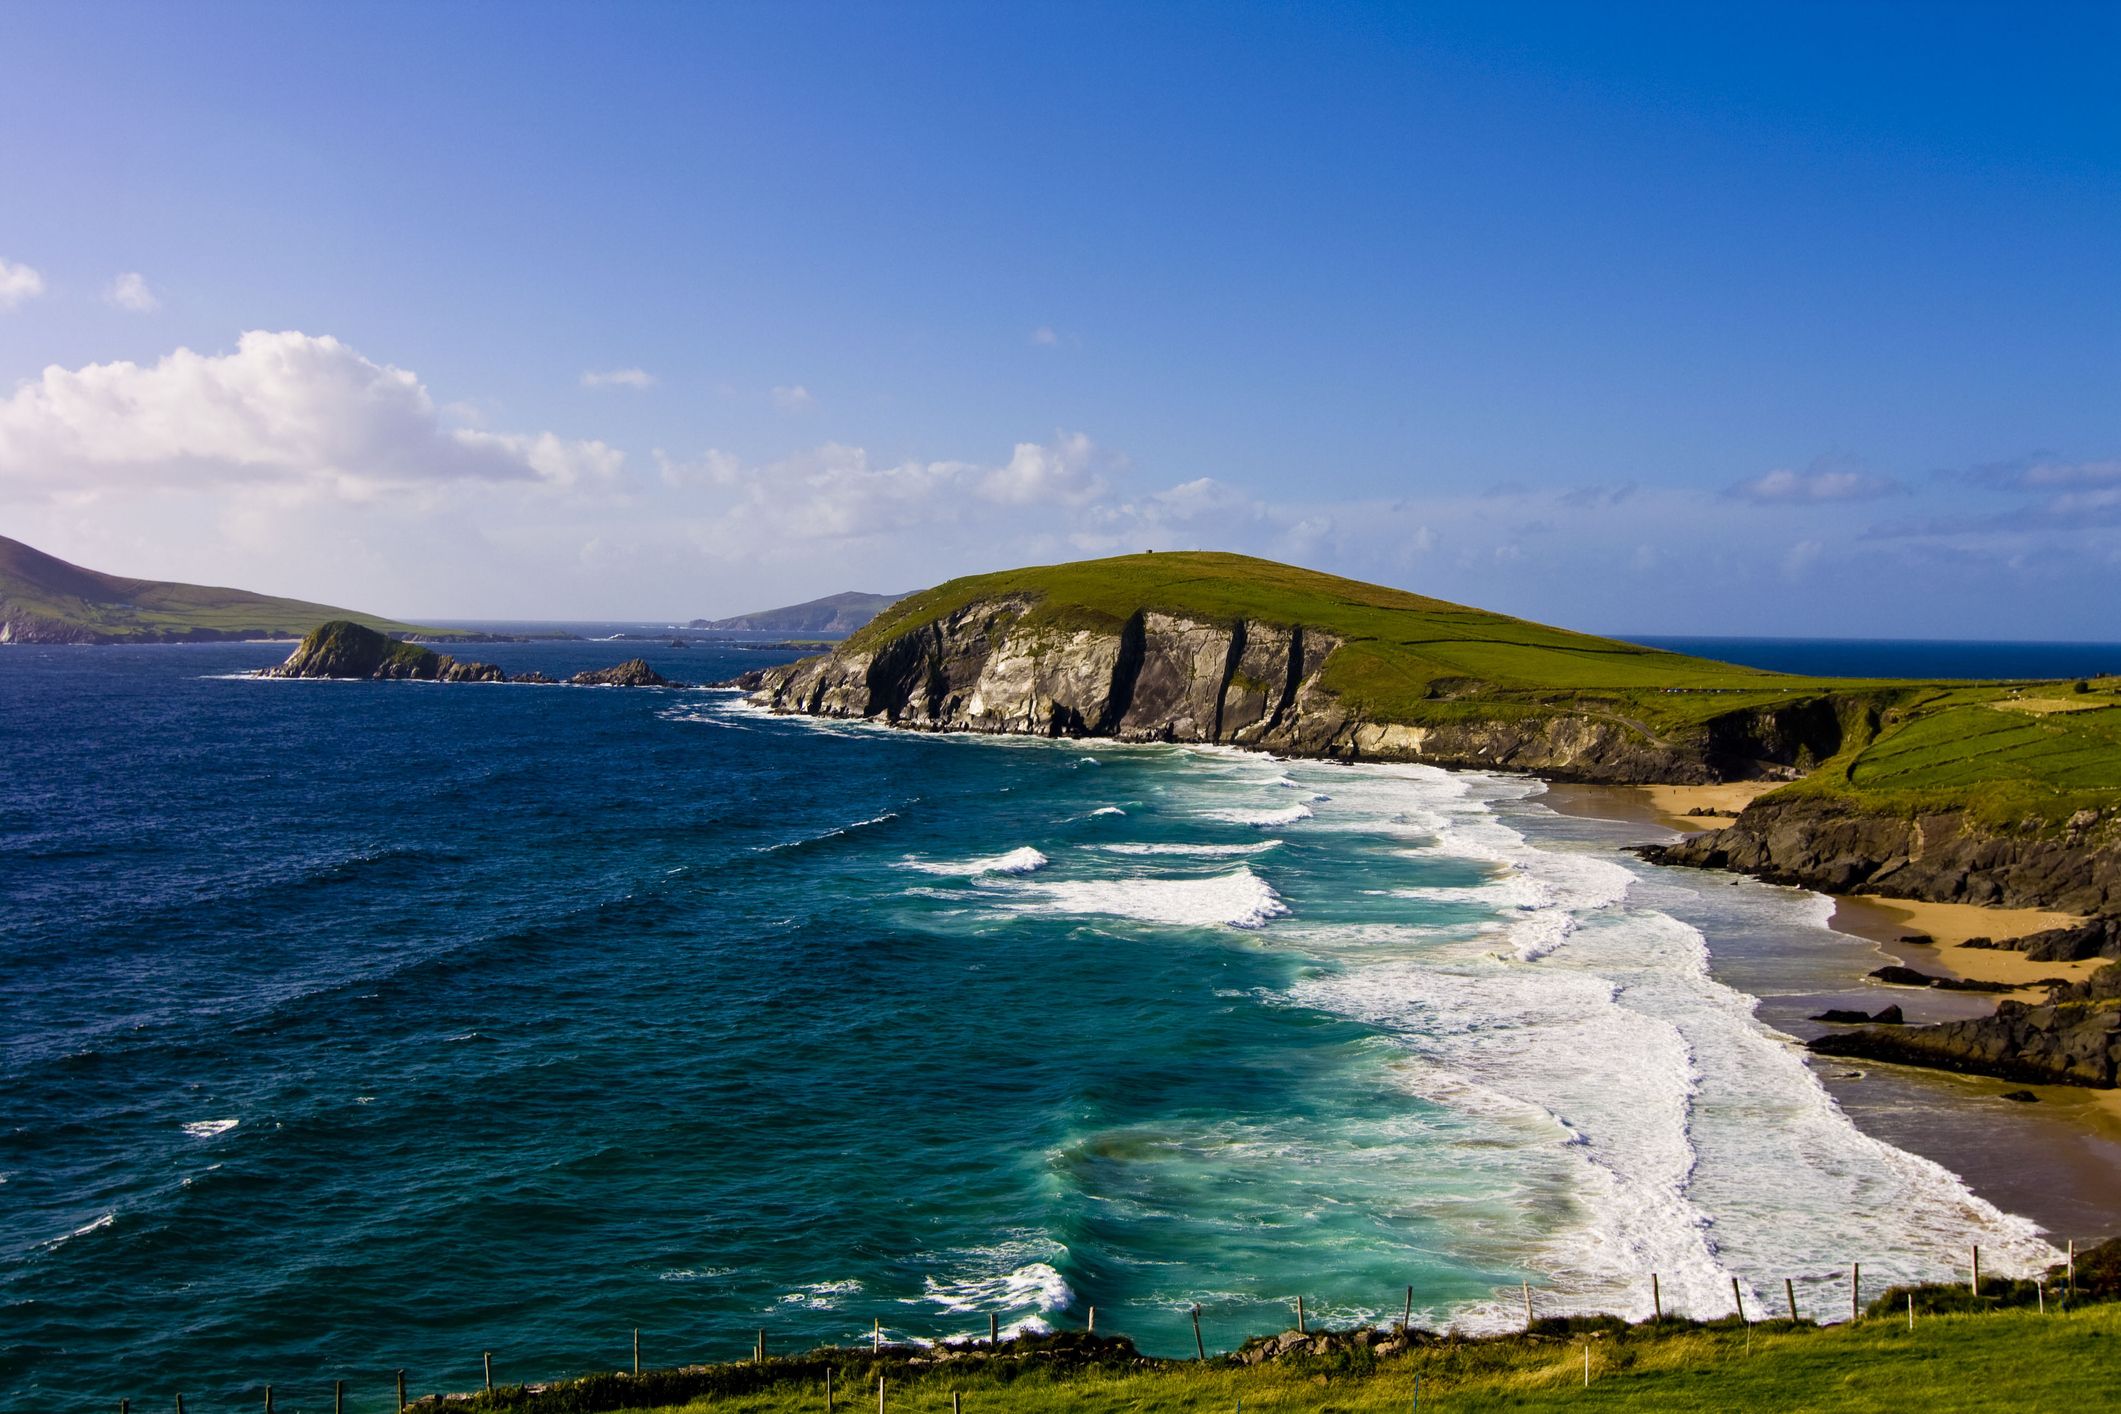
{"points": [[343, 649]]}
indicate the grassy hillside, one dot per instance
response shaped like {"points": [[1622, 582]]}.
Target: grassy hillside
{"points": [[2013, 1360], [43, 598], [2007, 750]]}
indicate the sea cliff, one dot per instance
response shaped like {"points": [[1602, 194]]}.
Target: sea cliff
{"points": [[993, 666]]}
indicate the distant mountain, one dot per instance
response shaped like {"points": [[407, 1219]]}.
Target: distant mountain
{"points": [[43, 599], [834, 614]]}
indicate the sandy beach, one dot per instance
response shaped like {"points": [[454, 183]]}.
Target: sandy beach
{"points": [[1883, 921]]}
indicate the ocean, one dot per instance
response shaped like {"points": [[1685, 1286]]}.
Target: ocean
{"points": [[351, 1027]]}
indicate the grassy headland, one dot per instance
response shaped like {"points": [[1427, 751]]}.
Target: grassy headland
{"points": [[2005, 752]]}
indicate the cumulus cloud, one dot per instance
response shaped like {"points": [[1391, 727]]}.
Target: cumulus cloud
{"points": [[793, 398], [130, 291], [1044, 337], [18, 283], [288, 410], [618, 378], [839, 492], [1784, 487]]}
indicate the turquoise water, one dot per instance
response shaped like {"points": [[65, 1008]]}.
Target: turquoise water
{"points": [[349, 1027]]}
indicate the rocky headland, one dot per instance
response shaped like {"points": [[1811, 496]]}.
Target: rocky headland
{"points": [[992, 666]]}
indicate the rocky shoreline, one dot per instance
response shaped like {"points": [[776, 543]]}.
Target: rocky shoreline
{"points": [[1160, 677]]}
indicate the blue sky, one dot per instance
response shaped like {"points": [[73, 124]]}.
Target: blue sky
{"points": [[1795, 320]]}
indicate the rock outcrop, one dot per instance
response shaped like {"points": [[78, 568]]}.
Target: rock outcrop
{"points": [[2071, 1038], [634, 672], [342, 649], [995, 666], [1822, 842]]}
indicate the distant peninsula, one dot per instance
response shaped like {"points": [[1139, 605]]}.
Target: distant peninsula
{"points": [[835, 615], [44, 599]]}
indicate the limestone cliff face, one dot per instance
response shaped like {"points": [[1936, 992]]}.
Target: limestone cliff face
{"points": [[1822, 843], [1162, 677]]}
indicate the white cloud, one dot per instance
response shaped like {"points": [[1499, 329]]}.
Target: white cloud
{"points": [[1786, 487], [1044, 337], [301, 414], [793, 398], [130, 291], [618, 378], [18, 283], [836, 492]]}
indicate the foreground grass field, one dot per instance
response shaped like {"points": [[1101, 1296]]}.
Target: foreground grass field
{"points": [[2009, 1360], [2009, 752]]}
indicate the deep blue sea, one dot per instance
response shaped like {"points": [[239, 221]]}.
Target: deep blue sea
{"points": [[347, 1027]]}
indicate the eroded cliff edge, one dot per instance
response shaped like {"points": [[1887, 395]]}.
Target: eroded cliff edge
{"points": [[992, 666], [1831, 844]]}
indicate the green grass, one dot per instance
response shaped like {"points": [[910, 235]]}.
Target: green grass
{"points": [[2007, 1360], [1904, 746]]}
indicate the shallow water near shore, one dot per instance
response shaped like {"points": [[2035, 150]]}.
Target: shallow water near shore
{"points": [[349, 1027]]}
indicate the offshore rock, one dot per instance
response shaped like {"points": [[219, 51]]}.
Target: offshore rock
{"points": [[342, 649], [634, 672]]}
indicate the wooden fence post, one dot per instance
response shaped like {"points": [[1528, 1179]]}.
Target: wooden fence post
{"points": [[759, 1351], [994, 1329], [338, 1397], [489, 1371], [1406, 1320], [1199, 1348], [2072, 1266], [1527, 1305], [955, 1407], [1656, 1298], [1300, 1330], [1789, 1292], [879, 1394], [1911, 1310], [1856, 1291], [828, 1389], [268, 1399], [180, 1402], [1093, 1320], [637, 1351], [401, 1389], [878, 1334], [1975, 1286], [1738, 1298]]}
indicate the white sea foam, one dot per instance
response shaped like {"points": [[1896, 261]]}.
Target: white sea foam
{"points": [[1025, 860], [1239, 899], [1262, 819], [1695, 1141], [82, 1231], [822, 1295], [832, 834], [1203, 851], [1106, 810], [208, 1128]]}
